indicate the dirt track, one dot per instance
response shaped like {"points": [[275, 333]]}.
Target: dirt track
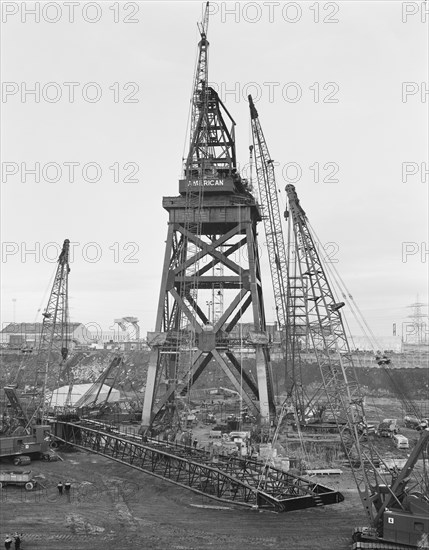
{"points": [[115, 507]]}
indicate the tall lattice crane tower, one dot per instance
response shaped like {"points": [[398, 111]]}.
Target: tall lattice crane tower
{"points": [[55, 336], [212, 224]]}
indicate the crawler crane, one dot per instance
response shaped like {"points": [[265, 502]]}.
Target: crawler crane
{"points": [[55, 328], [398, 511], [54, 338]]}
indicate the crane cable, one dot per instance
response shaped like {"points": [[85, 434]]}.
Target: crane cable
{"points": [[25, 361], [346, 294], [188, 121], [363, 324]]}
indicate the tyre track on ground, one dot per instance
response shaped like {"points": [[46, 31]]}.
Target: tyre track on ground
{"points": [[133, 510]]}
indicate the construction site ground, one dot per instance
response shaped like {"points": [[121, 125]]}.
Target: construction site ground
{"points": [[112, 506]]}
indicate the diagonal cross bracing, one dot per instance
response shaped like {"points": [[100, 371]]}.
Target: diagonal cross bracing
{"points": [[226, 237], [239, 481]]}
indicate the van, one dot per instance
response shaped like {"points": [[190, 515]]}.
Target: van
{"points": [[401, 442]]}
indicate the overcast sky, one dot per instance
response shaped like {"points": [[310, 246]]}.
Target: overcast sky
{"points": [[327, 92]]}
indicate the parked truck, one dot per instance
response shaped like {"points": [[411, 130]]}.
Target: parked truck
{"points": [[388, 428], [18, 477]]}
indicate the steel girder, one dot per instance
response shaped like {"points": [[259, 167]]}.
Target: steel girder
{"points": [[239, 481]]}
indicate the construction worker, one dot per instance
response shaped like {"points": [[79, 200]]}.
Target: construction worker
{"points": [[7, 542], [67, 488], [17, 541], [60, 487]]}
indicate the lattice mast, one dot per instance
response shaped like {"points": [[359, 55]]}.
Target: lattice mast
{"points": [[288, 290], [195, 170], [54, 338], [271, 215], [198, 146], [343, 393], [324, 322], [328, 339]]}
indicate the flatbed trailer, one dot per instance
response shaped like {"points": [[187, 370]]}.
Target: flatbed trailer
{"points": [[18, 477]]}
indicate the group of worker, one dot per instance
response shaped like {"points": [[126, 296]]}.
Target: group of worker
{"points": [[66, 486], [8, 541], [17, 537]]}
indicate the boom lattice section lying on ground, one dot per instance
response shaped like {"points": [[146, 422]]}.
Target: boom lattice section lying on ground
{"points": [[233, 480]]}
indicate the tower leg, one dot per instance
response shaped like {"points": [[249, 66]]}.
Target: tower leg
{"points": [[149, 395], [182, 324], [261, 371]]}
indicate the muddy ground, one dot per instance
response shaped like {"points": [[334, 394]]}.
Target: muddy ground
{"points": [[114, 507]]}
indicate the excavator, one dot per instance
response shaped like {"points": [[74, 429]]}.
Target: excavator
{"points": [[396, 505]]}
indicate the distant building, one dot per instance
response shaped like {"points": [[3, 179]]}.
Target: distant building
{"points": [[28, 335], [115, 339]]}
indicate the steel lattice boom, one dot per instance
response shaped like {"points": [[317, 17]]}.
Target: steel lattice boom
{"points": [[271, 216], [340, 385], [288, 293], [239, 481], [327, 335], [55, 328]]}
